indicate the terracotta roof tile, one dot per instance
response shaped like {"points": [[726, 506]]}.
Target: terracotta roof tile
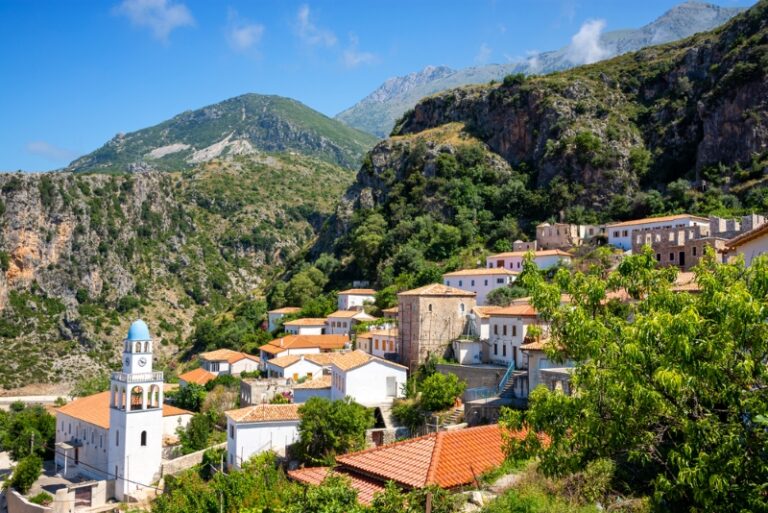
{"points": [[286, 310], [357, 292], [366, 487], [660, 219], [349, 314], [228, 355], [747, 236], [315, 384], [390, 332], [437, 289], [392, 310], [320, 359], [540, 253], [197, 376], [354, 359], [265, 413], [327, 342], [94, 409], [524, 310], [484, 311], [483, 271], [307, 321]]}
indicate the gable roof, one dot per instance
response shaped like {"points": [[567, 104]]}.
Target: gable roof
{"points": [[520, 310], [661, 219], [539, 253], [307, 321], [389, 332], [437, 289], [94, 409], [319, 359], [483, 271], [228, 355], [446, 459], [351, 314], [328, 342], [197, 376], [323, 381], [285, 310], [265, 413], [358, 358], [483, 312], [366, 487], [745, 237], [357, 292]]}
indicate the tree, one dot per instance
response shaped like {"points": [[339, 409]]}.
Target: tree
{"points": [[328, 428], [25, 473], [439, 391], [503, 296], [670, 393], [29, 430], [90, 386], [333, 495], [190, 397], [195, 436]]}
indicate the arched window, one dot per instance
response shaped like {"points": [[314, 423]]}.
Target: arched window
{"points": [[138, 347], [146, 347], [154, 396], [143, 438], [461, 308], [137, 398], [430, 307]]}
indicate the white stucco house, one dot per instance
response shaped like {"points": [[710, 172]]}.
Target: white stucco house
{"points": [[118, 434], [227, 361], [317, 387], [354, 299], [341, 322], [262, 427], [750, 244], [306, 326], [384, 341], [621, 234], [508, 328], [480, 281], [275, 316], [300, 366], [513, 260], [301, 344], [366, 379]]}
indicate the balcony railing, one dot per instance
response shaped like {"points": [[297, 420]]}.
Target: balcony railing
{"points": [[137, 378]]}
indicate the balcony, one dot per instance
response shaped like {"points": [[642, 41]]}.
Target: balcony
{"points": [[137, 378]]}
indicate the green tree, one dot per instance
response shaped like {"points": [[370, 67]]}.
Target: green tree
{"points": [[333, 495], [90, 386], [670, 392], [190, 397], [439, 391], [195, 436], [503, 296], [25, 473], [29, 430], [328, 428]]}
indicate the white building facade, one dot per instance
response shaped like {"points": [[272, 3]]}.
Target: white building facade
{"points": [[342, 322], [275, 316], [355, 299], [480, 281], [307, 326], [256, 429], [750, 244], [508, 329], [513, 261], [366, 379], [621, 234]]}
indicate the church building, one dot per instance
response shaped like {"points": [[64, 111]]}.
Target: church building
{"points": [[117, 435]]}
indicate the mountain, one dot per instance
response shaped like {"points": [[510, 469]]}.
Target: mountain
{"points": [[377, 112], [82, 255], [239, 126], [681, 127]]}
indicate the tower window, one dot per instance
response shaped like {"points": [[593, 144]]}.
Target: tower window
{"points": [[143, 438], [117, 438]]}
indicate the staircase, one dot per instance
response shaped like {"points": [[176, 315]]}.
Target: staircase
{"points": [[508, 389], [453, 417]]}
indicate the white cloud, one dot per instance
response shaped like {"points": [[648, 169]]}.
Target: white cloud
{"points": [[354, 57], [484, 54], [160, 16], [50, 151], [242, 34], [534, 62], [585, 47], [310, 33]]}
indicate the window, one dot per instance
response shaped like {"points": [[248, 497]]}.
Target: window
{"points": [[231, 431], [461, 308], [498, 280], [447, 283], [504, 350], [472, 283], [615, 234], [376, 344], [624, 233], [514, 330], [658, 257], [486, 283], [671, 257], [214, 366], [460, 283], [117, 438], [504, 330], [495, 329], [495, 349], [518, 265], [429, 307], [143, 438], [693, 251], [231, 459], [391, 346]]}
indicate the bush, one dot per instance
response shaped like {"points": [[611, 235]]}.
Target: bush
{"points": [[503, 296], [328, 428], [25, 474], [195, 436], [513, 79], [409, 414], [439, 391], [42, 498]]}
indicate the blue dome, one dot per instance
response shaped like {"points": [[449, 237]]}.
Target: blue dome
{"points": [[138, 331]]}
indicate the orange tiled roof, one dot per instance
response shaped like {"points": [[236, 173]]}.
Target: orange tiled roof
{"points": [[265, 413], [197, 376], [446, 459], [366, 487], [348, 314], [357, 292], [317, 383], [307, 321], [392, 310], [747, 236], [523, 310], [536, 345], [366, 335], [539, 253], [661, 219], [389, 332], [94, 409], [228, 355], [285, 310], [354, 359], [483, 271], [437, 289], [328, 342], [321, 359], [484, 311]]}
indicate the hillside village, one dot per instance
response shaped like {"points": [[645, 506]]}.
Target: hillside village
{"points": [[114, 445]]}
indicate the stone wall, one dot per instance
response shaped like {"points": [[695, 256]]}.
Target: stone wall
{"points": [[187, 461], [383, 436], [474, 375]]}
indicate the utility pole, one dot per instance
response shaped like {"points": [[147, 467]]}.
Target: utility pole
{"points": [[32, 443]]}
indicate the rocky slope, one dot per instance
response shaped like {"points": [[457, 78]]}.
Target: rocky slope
{"points": [[378, 112], [243, 125], [84, 254], [683, 126]]}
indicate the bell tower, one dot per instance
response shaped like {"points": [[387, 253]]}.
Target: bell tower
{"points": [[135, 416]]}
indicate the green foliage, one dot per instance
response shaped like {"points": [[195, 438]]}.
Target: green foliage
{"points": [[189, 397], [513, 80], [503, 296], [439, 391], [328, 428], [667, 393], [90, 386], [195, 436], [394, 500], [225, 380], [25, 429], [238, 328], [214, 460], [5, 261], [279, 399], [333, 495], [25, 473], [42, 498], [409, 413]]}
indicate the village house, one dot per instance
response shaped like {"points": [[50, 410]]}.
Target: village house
{"points": [[384, 343], [508, 329], [429, 319], [300, 366], [750, 244], [320, 386], [263, 390], [227, 361], [528, 245], [390, 313], [480, 281], [364, 341], [306, 326], [275, 316], [342, 322], [355, 299], [118, 435], [301, 344], [259, 428], [366, 379], [197, 376], [544, 259], [448, 459], [566, 236], [622, 234]]}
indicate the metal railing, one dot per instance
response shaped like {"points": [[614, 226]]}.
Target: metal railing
{"points": [[505, 378], [473, 394], [137, 378]]}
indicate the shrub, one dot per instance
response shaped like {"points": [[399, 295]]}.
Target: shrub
{"points": [[439, 391], [42, 498], [25, 474], [513, 79]]}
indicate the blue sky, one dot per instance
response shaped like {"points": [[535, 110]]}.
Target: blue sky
{"points": [[77, 72]]}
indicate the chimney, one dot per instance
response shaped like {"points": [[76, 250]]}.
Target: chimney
{"points": [[281, 342]]}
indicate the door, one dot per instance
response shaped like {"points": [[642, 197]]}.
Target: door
{"points": [[682, 259], [83, 497], [391, 386]]}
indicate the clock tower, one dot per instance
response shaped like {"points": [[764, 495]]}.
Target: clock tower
{"points": [[135, 416]]}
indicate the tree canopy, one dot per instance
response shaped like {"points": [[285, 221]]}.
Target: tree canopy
{"points": [[328, 428]]}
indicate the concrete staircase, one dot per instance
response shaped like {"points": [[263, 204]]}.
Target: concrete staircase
{"points": [[453, 417]]}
